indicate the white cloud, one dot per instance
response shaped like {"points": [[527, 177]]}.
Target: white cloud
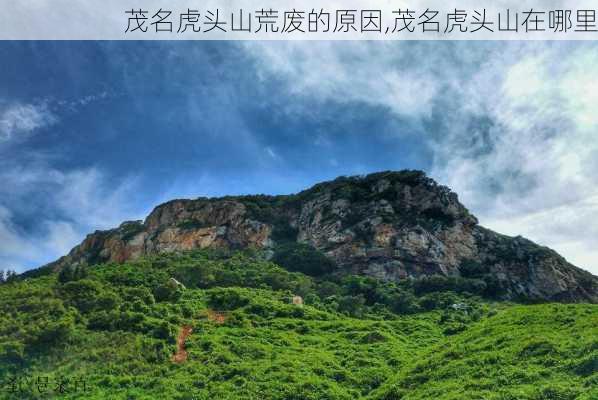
{"points": [[77, 202], [526, 167], [271, 153], [543, 151], [12, 244], [61, 236], [90, 201], [20, 250], [23, 119], [355, 72]]}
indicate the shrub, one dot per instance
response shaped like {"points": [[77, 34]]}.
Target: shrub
{"points": [[102, 320], [227, 299], [303, 258], [587, 365], [327, 289], [453, 328], [130, 321], [537, 348], [439, 283], [168, 291], [163, 331], [352, 305], [438, 300], [138, 293], [52, 332], [72, 273], [87, 295], [12, 351], [404, 302]]}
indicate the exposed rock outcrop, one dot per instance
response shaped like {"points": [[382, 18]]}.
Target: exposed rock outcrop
{"points": [[390, 225]]}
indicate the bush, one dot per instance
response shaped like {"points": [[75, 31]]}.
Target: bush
{"points": [[438, 300], [102, 320], [587, 365], [352, 305], [453, 328], [327, 289], [404, 303], [130, 321], [87, 295], [227, 299], [138, 293], [168, 291], [12, 351], [163, 331], [72, 273], [303, 258], [439, 283], [55, 331]]}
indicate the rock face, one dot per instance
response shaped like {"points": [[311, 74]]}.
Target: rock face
{"points": [[389, 225]]}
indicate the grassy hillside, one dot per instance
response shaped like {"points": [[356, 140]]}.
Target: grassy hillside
{"points": [[112, 331], [541, 352]]}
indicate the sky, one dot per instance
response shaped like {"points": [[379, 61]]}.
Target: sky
{"points": [[96, 133]]}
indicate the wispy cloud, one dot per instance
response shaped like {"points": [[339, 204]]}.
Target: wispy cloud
{"points": [[19, 120], [355, 72], [69, 205], [74, 105], [23, 119]]}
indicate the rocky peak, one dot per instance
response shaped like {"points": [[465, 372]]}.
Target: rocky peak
{"points": [[389, 225]]}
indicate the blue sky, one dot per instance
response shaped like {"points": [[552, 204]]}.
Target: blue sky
{"points": [[95, 133]]}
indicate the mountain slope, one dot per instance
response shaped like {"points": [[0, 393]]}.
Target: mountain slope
{"points": [[531, 352], [110, 332], [389, 225]]}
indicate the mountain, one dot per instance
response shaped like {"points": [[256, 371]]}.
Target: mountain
{"points": [[393, 226], [381, 287]]}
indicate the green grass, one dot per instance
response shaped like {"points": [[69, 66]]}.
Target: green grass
{"points": [[538, 352], [115, 327]]}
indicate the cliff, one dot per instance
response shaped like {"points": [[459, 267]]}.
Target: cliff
{"points": [[389, 225]]}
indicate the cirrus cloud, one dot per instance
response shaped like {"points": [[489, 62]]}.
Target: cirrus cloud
{"points": [[22, 119]]}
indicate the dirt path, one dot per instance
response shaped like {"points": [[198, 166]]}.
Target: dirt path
{"points": [[181, 354]]}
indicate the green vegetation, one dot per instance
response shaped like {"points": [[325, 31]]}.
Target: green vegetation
{"points": [[540, 352], [115, 328], [129, 229], [300, 257], [191, 224]]}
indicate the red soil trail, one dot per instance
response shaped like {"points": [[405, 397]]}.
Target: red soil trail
{"points": [[181, 354]]}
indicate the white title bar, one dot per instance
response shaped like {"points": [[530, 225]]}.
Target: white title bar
{"points": [[298, 20]]}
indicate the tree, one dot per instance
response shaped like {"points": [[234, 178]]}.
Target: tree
{"points": [[51, 332], [352, 305], [87, 295], [7, 275], [227, 299], [72, 273], [168, 291], [10, 275]]}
